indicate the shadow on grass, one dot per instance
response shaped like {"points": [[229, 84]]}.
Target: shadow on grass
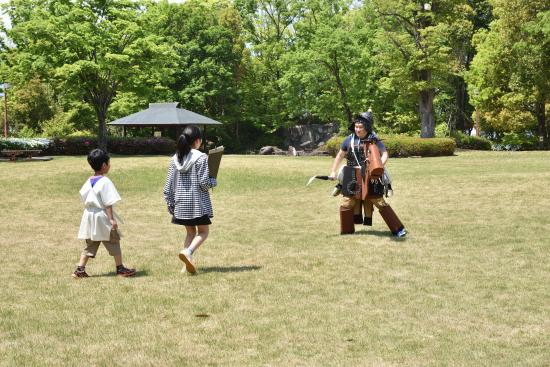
{"points": [[228, 269], [375, 233], [139, 273]]}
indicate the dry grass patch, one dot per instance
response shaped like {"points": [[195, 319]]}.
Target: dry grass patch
{"points": [[277, 285]]}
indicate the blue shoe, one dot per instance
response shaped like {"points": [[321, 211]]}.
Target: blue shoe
{"points": [[402, 233]]}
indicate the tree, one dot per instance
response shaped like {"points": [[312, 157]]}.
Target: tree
{"points": [[509, 74], [328, 72], [416, 48], [93, 48], [270, 33]]}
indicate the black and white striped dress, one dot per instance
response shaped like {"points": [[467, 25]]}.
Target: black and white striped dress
{"points": [[186, 189]]}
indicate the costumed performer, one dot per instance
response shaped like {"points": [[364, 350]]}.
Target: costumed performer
{"points": [[361, 188]]}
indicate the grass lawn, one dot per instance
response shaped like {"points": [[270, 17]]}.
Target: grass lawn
{"points": [[277, 284]]}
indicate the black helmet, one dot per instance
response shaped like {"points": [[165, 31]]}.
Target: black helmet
{"points": [[364, 118]]}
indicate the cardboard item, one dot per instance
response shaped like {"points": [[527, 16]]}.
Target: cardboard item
{"points": [[214, 160]]}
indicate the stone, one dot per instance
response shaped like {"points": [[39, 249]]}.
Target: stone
{"points": [[267, 150]]}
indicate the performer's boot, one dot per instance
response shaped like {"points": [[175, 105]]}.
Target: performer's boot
{"points": [[389, 216], [346, 221], [368, 208], [357, 215]]}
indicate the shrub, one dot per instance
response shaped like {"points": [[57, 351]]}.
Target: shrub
{"points": [[405, 146], [25, 143], [333, 145], [515, 141], [81, 145], [464, 141], [58, 125]]}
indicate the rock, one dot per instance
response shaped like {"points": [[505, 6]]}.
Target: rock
{"points": [[309, 137], [267, 150], [270, 150]]}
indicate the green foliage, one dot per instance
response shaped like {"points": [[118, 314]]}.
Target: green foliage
{"points": [[30, 104], [515, 141], [415, 51], [89, 49], [263, 65], [333, 145], [442, 130], [509, 75], [464, 141], [405, 146], [59, 125]]}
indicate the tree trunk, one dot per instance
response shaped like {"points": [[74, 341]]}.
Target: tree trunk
{"points": [[102, 129], [426, 106], [335, 69], [426, 110], [541, 119], [460, 104]]}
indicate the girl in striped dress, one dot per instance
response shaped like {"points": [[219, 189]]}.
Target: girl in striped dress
{"points": [[186, 193]]}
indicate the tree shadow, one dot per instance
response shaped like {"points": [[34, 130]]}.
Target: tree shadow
{"points": [[228, 269]]}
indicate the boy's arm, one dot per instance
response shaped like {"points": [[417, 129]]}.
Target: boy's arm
{"points": [[109, 211]]}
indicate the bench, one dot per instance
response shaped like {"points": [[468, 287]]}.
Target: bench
{"points": [[14, 153]]}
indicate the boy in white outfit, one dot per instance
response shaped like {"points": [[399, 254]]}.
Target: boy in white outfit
{"points": [[99, 222]]}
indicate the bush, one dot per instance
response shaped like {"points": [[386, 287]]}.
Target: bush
{"points": [[464, 141], [58, 125], [515, 141], [81, 145], [333, 145], [405, 146], [25, 143]]}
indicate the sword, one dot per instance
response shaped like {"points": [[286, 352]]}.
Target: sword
{"points": [[325, 178]]}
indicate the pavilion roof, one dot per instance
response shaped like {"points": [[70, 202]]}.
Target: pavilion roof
{"points": [[164, 114]]}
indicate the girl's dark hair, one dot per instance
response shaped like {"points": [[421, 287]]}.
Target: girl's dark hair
{"points": [[190, 134], [97, 157]]}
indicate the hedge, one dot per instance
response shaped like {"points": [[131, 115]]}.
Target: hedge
{"points": [[405, 146], [464, 141], [24, 144], [82, 145]]}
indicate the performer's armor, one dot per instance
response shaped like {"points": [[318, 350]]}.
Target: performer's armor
{"points": [[358, 151]]}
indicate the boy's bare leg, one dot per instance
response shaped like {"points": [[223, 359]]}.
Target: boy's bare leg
{"points": [[83, 260], [118, 260]]}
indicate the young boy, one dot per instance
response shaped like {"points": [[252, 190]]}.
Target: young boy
{"points": [[99, 220]]}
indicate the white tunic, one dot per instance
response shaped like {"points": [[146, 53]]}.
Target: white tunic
{"points": [[95, 224]]}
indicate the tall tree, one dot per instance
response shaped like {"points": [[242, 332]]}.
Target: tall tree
{"points": [[208, 39], [418, 31], [270, 34], [94, 48], [509, 76], [327, 75]]}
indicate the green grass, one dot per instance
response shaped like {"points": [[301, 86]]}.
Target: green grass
{"points": [[469, 286]]}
